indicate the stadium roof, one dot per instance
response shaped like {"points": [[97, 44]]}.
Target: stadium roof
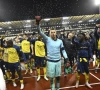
{"points": [[29, 25]]}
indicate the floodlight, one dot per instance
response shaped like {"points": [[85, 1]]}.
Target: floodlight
{"points": [[28, 21], [65, 18], [46, 19], [97, 2]]}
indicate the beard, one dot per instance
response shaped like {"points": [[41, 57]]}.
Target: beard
{"points": [[53, 37]]}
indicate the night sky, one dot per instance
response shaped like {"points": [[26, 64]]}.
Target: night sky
{"points": [[11, 10]]}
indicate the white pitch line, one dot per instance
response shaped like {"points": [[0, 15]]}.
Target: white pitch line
{"points": [[32, 76], [74, 86], [28, 77], [95, 76], [62, 74], [93, 69]]}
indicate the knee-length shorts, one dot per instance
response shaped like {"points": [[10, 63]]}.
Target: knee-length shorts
{"points": [[53, 69]]}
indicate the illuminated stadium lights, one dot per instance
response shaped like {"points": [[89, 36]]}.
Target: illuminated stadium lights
{"points": [[91, 20], [0, 28], [47, 19], [65, 22], [10, 27], [8, 22], [97, 2], [65, 18], [28, 20], [80, 21]]}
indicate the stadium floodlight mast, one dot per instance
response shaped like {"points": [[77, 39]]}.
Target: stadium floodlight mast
{"points": [[97, 2]]}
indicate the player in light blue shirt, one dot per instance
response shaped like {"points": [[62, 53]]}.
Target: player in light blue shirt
{"points": [[54, 49]]}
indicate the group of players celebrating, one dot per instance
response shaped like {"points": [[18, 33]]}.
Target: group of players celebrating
{"points": [[46, 52]]}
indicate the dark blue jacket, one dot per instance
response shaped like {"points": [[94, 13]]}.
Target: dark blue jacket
{"points": [[83, 48]]}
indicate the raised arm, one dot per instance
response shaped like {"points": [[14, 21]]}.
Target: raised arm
{"points": [[38, 19], [41, 33]]}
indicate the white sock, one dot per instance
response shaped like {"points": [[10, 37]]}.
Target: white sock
{"points": [[77, 84], [46, 78], [31, 71], [14, 84], [88, 85], [22, 86], [38, 78]]}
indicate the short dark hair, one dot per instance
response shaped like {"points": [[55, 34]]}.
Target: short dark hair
{"points": [[81, 34], [9, 43], [34, 33]]}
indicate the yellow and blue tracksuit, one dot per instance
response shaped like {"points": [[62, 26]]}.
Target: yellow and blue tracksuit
{"points": [[97, 45], [84, 52], [25, 46], [14, 62], [39, 52]]}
